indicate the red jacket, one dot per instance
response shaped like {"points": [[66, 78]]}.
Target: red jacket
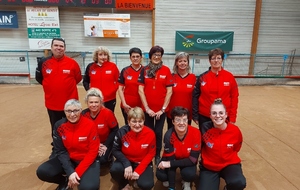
{"points": [[135, 147], [103, 77], [220, 147], [78, 142], [210, 86], [59, 78]]}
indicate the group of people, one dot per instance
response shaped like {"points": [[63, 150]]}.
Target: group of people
{"points": [[84, 140]]}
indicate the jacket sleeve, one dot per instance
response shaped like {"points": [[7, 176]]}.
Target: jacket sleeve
{"points": [[117, 148], [86, 77], [91, 154], [195, 100], [234, 95], [60, 149], [38, 71]]}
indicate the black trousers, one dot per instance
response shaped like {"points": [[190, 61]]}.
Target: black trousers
{"points": [[202, 119], [111, 104], [157, 126], [232, 174], [54, 116], [145, 181], [188, 174], [104, 159], [51, 171]]}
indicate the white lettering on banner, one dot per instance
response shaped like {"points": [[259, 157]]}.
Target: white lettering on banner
{"points": [[6, 19], [210, 41]]}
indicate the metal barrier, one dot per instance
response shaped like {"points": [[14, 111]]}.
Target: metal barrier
{"points": [[19, 63]]}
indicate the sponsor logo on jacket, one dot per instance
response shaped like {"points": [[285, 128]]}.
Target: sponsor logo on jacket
{"points": [[82, 138]]}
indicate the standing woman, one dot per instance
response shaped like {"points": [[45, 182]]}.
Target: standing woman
{"points": [[184, 83], [221, 142], [155, 90], [128, 85], [106, 122], [212, 84], [76, 145], [103, 74], [134, 149]]}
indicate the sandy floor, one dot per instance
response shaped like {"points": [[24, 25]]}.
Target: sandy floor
{"points": [[268, 117]]}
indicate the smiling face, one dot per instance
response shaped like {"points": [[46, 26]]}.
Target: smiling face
{"points": [[216, 62], [218, 115], [102, 57], [180, 124], [156, 58], [136, 124], [72, 113], [94, 104], [58, 48], [182, 64]]}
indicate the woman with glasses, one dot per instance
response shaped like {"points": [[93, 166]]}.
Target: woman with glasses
{"points": [[212, 84], [155, 90], [103, 74], [184, 82], [128, 85], [182, 144], [76, 146], [134, 149], [106, 122], [221, 142]]}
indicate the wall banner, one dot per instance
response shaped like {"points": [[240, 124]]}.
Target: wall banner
{"points": [[191, 41], [135, 4], [42, 26], [8, 19], [107, 25]]}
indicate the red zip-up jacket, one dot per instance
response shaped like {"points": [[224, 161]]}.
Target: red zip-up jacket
{"points": [[210, 86], [135, 147], [220, 147], [78, 142], [59, 78]]}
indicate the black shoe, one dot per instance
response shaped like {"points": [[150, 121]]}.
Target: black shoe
{"points": [[157, 160], [63, 186]]}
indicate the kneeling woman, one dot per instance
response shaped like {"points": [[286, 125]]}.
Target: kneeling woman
{"points": [[76, 145], [134, 148], [219, 156], [182, 144]]}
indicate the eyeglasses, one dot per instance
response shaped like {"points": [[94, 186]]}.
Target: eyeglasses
{"points": [[214, 113], [178, 120], [157, 55], [216, 59], [137, 122], [135, 57], [72, 111]]}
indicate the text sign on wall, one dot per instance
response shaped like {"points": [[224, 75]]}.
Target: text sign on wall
{"points": [[42, 26], [69, 3], [134, 4], [8, 19], [107, 25], [203, 40]]}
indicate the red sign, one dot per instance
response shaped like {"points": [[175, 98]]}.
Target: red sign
{"points": [[135, 4]]}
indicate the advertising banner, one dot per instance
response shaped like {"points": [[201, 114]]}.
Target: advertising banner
{"points": [[107, 25], [8, 19], [193, 41], [42, 26], [134, 4]]}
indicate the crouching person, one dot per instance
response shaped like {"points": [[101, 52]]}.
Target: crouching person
{"points": [[134, 148], [76, 144], [182, 144]]}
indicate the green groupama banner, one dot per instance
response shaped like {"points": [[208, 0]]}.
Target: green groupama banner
{"points": [[203, 40]]}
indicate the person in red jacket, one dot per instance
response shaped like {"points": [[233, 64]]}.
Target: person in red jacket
{"points": [[104, 118], [212, 84], [134, 148], [182, 91], [128, 84], [76, 146], [103, 74], [155, 90], [59, 76], [182, 144], [221, 142]]}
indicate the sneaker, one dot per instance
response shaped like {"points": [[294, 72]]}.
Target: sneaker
{"points": [[165, 183], [63, 186], [186, 185]]}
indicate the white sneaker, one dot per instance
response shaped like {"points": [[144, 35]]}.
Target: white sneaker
{"points": [[165, 183], [186, 185]]}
